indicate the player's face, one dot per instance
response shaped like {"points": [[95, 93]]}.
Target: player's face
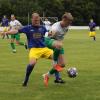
{"points": [[66, 22], [91, 20], [35, 20], [12, 18]]}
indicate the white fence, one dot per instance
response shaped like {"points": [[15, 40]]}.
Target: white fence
{"points": [[70, 27], [80, 27]]}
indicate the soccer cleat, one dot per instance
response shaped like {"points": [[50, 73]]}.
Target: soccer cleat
{"points": [[14, 50], [46, 79], [59, 81], [24, 84]]}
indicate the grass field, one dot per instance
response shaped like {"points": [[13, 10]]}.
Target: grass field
{"points": [[80, 51]]}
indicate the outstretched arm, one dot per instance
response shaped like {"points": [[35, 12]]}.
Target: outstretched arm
{"points": [[12, 31]]}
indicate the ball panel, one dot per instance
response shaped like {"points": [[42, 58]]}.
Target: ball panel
{"points": [[72, 72]]}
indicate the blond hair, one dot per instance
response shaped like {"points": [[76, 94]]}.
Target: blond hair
{"points": [[68, 16], [35, 14]]}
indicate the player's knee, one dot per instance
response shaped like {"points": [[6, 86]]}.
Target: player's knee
{"points": [[60, 45], [32, 62]]}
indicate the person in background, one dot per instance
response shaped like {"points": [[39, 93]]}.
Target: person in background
{"points": [[92, 26], [5, 24], [47, 24], [15, 24]]}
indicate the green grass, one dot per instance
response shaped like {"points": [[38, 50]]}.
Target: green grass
{"points": [[80, 51]]}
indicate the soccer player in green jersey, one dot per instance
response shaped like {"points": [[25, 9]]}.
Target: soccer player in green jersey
{"points": [[15, 24]]}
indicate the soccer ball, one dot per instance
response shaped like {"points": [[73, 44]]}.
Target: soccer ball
{"points": [[72, 72]]}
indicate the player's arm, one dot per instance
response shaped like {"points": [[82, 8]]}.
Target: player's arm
{"points": [[52, 33], [49, 34], [12, 31], [18, 25]]}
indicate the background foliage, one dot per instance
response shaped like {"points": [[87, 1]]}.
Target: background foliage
{"points": [[82, 10]]}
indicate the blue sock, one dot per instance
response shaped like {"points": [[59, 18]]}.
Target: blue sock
{"points": [[57, 75], [28, 72]]}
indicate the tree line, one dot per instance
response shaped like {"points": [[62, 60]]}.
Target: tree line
{"points": [[82, 10]]}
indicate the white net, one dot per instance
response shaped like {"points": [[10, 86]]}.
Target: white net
{"points": [[51, 19]]}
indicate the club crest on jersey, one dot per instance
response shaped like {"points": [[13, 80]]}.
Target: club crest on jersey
{"points": [[37, 35]]}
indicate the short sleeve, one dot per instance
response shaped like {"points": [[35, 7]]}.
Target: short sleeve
{"points": [[23, 30], [53, 29]]}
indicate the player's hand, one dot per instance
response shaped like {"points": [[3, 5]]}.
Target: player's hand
{"points": [[51, 33]]}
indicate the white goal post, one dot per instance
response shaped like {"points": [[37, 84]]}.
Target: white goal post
{"points": [[51, 19]]}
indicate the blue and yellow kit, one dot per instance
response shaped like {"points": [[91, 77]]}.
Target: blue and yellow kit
{"points": [[36, 44]]}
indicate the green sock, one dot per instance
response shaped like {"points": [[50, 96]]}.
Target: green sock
{"points": [[12, 45], [56, 54], [21, 43], [52, 71]]}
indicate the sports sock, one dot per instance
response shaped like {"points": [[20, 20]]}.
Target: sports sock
{"points": [[56, 54], [52, 71], [94, 38], [12, 46], [57, 75], [28, 72]]}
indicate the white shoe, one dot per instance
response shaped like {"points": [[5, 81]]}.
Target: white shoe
{"points": [[14, 50]]}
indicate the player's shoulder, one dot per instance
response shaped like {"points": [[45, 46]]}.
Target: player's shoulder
{"points": [[56, 24], [27, 26], [10, 21], [17, 21]]}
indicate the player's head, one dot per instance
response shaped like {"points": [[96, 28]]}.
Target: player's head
{"points": [[67, 19], [12, 17], [35, 19], [4, 16], [91, 20], [46, 19]]}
